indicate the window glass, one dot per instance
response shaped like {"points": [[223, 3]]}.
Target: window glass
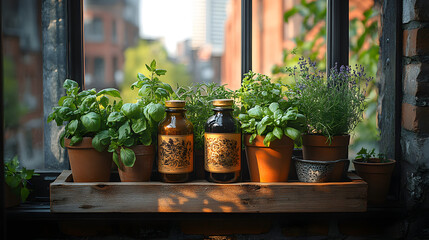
{"points": [[23, 78]]}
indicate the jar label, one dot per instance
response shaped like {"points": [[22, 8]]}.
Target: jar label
{"points": [[222, 152], [175, 153]]}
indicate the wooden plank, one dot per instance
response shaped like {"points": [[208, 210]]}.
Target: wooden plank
{"points": [[202, 196]]}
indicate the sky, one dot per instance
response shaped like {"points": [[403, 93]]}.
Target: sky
{"points": [[170, 19]]}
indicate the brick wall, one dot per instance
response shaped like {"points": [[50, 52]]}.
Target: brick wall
{"points": [[415, 104]]}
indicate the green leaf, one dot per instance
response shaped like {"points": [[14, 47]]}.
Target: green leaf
{"points": [[289, 13], [260, 128], [146, 138], [132, 110], [75, 139], [72, 126], [61, 139], [115, 117], [109, 91], [269, 138], [153, 64], [292, 133], [156, 111], [138, 125], [243, 117], [124, 131], [91, 121], [167, 87], [104, 101], [252, 138], [128, 157], [101, 140], [256, 112], [70, 84], [116, 159], [24, 194], [273, 107], [278, 132], [160, 72]]}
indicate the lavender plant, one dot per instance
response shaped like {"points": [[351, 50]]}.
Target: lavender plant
{"points": [[333, 105]]}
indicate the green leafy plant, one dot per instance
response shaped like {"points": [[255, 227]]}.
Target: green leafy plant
{"points": [[266, 111], [17, 179], [198, 99], [334, 105], [84, 113], [151, 89], [365, 155], [136, 123]]}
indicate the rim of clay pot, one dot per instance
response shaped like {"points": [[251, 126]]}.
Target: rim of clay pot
{"points": [[319, 161], [143, 149], [320, 140], [85, 143], [359, 162], [259, 141]]}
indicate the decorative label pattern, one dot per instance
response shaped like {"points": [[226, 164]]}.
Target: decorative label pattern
{"points": [[222, 152], [175, 153]]}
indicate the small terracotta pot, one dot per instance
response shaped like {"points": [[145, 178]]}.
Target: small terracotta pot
{"points": [[88, 164], [318, 147], [378, 176], [10, 198], [269, 164], [142, 169]]}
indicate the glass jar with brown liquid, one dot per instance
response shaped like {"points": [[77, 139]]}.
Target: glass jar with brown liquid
{"points": [[222, 144], [175, 144]]}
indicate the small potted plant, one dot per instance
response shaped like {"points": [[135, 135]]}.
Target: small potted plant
{"points": [[15, 183], [199, 108], [270, 125], [132, 128], [376, 170], [333, 107], [84, 114]]}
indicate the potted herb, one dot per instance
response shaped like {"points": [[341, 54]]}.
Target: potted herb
{"points": [[376, 170], [15, 183], [84, 114], [270, 125], [199, 108], [333, 107], [132, 128]]}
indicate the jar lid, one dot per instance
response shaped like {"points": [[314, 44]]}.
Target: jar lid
{"points": [[175, 104], [223, 102]]}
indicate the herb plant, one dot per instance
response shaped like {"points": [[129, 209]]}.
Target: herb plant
{"points": [[266, 111], [17, 179], [136, 123], [370, 156], [334, 105], [84, 113], [198, 99]]}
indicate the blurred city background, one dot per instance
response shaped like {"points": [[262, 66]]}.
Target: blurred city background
{"points": [[194, 40]]}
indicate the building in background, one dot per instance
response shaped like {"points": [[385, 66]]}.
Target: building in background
{"points": [[203, 52], [110, 27]]}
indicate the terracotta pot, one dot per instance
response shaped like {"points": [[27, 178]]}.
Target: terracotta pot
{"points": [[10, 198], [318, 147], [269, 164], [142, 169], [378, 176], [88, 164]]}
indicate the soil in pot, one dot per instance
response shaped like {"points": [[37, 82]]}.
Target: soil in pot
{"points": [[269, 164], [378, 176], [88, 164], [318, 147], [142, 169]]}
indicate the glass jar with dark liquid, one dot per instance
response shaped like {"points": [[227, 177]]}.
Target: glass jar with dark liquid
{"points": [[222, 144], [175, 144]]}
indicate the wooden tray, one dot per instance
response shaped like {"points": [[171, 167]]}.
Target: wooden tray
{"points": [[202, 196]]}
